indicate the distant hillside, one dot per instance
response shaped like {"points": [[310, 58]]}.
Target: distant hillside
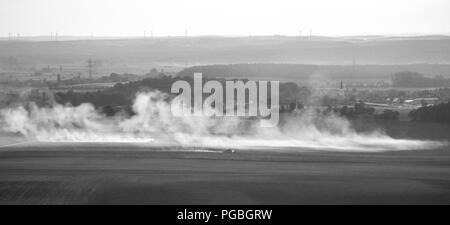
{"points": [[311, 73], [228, 50]]}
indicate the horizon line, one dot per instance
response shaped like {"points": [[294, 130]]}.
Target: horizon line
{"points": [[18, 37]]}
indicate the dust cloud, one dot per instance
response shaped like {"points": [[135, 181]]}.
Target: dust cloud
{"points": [[154, 125]]}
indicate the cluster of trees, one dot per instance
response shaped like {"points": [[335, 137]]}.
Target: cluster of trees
{"points": [[388, 115], [98, 98], [122, 94], [437, 113], [359, 109]]}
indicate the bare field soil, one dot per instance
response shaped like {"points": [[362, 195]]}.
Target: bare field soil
{"points": [[126, 174]]}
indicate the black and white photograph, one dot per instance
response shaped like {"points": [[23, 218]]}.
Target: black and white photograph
{"points": [[213, 102]]}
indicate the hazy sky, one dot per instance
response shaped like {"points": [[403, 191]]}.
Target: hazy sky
{"points": [[224, 17]]}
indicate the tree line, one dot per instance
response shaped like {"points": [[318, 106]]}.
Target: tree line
{"points": [[437, 113]]}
